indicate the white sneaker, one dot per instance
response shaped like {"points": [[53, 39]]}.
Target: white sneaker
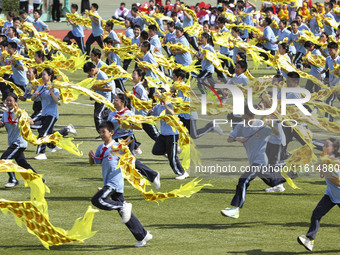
{"points": [[41, 157], [231, 212], [218, 129], [183, 176], [125, 212], [55, 149], [137, 151], [157, 181], [277, 188], [306, 242], [11, 184], [71, 129], [146, 239]]}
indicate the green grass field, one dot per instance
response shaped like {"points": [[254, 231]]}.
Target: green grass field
{"points": [[268, 225]]}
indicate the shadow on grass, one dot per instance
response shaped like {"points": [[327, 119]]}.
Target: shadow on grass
{"points": [[255, 192], [68, 199], [321, 182], [68, 247], [304, 224], [208, 226], [261, 252]]}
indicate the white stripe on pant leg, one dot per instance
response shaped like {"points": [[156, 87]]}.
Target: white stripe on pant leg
{"points": [[49, 126], [155, 130], [102, 202], [245, 187], [100, 119], [10, 156], [174, 149]]}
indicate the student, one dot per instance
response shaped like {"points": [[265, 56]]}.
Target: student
{"points": [[101, 112], [18, 69], [207, 67], [187, 22], [56, 11], [170, 37], [221, 21], [136, 19], [177, 21], [159, 10], [148, 57], [111, 197], [329, 200], [121, 105], [283, 51], [239, 77], [156, 46], [129, 28], [9, 22], [12, 36], [16, 25], [96, 55], [313, 23], [112, 34], [284, 33], [38, 24], [270, 39], [235, 32], [189, 120], [50, 98], [294, 38], [254, 139], [302, 26], [97, 30], [134, 40], [327, 28], [166, 142], [314, 70], [112, 57], [77, 32], [17, 144], [121, 13], [275, 20], [329, 66], [140, 92], [25, 18], [182, 57]]}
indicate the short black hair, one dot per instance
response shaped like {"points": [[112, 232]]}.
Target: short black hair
{"points": [[108, 40], [13, 45], [97, 52], [94, 5], [153, 28], [146, 44], [171, 24], [294, 22], [88, 67], [144, 35], [293, 75], [38, 11], [268, 20], [21, 12], [308, 44], [332, 45], [74, 6], [107, 125], [109, 24], [247, 111], [180, 73], [243, 64], [11, 94], [140, 72], [137, 26], [268, 9]]}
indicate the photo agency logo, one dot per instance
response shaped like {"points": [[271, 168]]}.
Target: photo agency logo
{"points": [[292, 96]]}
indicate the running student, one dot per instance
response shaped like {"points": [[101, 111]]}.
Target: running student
{"points": [[331, 197], [254, 139], [122, 108], [16, 143], [77, 32], [97, 30], [166, 142], [111, 197]]}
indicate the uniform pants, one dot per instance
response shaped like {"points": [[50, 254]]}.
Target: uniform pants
{"points": [[46, 129], [108, 199], [143, 169], [320, 210], [247, 177], [79, 40], [56, 10], [101, 112], [168, 144], [298, 59], [192, 128], [151, 130], [200, 80], [14, 152], [91, 40]]}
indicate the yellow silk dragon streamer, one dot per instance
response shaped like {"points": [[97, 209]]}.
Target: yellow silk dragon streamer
{"points": [[151, 21], [214, 60], [55, 138], [282, 2], [125, 40], [34, 213], [170, 63], [315, 60], [16, 89], [127, 166], [280, 62], [180, 46], [184, 142], [154, 68]]}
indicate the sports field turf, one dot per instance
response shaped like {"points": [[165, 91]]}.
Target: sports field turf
{"points": [[268, 225]]}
